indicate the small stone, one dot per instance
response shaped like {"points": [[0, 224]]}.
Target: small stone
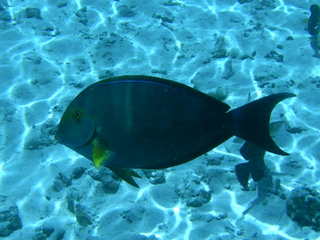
{"points": [[220, 93], [60, 182], [193, 192], [214, 161], [82, 15], [228, 70], [43, 233], [33, 13], [220, 48], [4, 15], [275, 56], [78, 172], [82, 215], [303, 207], [244, 1], [133, 215], [155, 177], [110, 183], [9, 220], [73, 198], [94, 238], [295, 130], [125, 11]]}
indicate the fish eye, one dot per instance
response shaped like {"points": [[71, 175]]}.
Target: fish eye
{"points": [[77, 115]]}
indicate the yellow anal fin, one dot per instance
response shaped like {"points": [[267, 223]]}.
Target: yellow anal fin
{"points": [[127, 175], [100, 153]]}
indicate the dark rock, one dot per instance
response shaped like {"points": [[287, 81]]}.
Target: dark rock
{"points": [[111, 187], [136, 236], [220, 93], [170, 3], [110, 183], [78, 172], [125, 11], [164, 15], [9, 217], [60, 235], [43, 233], [61, 181], [295, 130], [228, 70], [202, 217], [244, 1], [73, 198], [133, 215], [275, 56], [215, 161], [33, 13], [193, 192], [155, 177], [111, 50], [303, 207], [83, 215], [82, 15], [58, 3], [220, 48], [4, 14], [42, 136], [94, 238], [266, 75]]}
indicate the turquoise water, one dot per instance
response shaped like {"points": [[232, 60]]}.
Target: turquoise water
{"points": [[51, 50]]}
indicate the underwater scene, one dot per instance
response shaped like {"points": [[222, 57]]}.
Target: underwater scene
{"points": [[159, 120]]}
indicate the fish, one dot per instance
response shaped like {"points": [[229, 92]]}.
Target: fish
{"points": [[265, 187], [314, 29], [145, 122], [255, 165], [314, 20], [258, 170]]}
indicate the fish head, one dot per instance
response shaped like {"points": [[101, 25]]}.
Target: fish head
{"points": [[76, 127], [315, 9]]}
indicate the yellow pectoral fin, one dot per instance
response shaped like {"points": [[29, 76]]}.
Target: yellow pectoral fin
{"points": [[100, 153]]}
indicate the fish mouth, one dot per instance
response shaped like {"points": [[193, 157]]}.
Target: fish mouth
{"points": [[76, 139]]}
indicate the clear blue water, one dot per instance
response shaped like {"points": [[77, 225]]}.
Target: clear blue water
{"points": [[235, 50]]}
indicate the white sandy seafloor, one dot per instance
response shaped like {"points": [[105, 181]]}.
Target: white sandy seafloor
{"points": [[52, 49]]}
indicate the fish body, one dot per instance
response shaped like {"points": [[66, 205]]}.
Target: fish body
{"points": [[314, 20], [255, 165], [314, 29], [152, 123]]}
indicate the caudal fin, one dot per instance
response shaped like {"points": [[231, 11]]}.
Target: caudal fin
{"points": [[251, 121]]}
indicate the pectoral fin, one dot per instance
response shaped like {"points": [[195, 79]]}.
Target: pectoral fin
{"points": [[100, 153]]}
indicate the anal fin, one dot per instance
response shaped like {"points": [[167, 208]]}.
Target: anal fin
{"points": [[127, 175]]}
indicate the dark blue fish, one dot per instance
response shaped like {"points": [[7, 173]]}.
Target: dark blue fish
{"points": [[314, 29], [314, 20], [146, 122], [254, 166]]}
